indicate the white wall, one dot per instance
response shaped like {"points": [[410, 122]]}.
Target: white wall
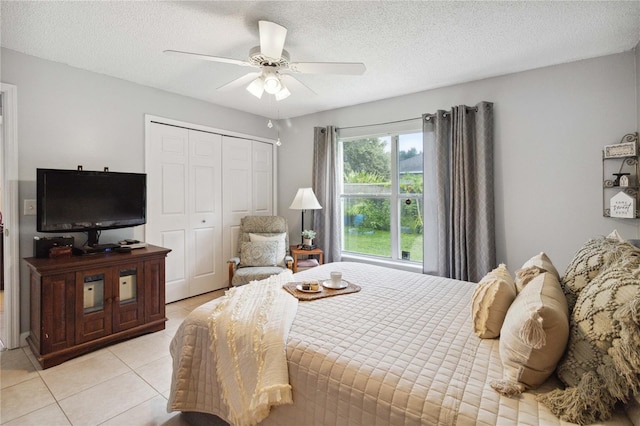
{"points": [[67, 117], [550, 127]]}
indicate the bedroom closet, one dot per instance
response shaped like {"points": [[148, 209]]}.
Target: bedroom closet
{"points": [[200, 183]]}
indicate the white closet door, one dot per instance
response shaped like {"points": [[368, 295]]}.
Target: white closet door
{"points": [[184, 202], [262, 178], [204, 248], [167, 219], [248, 185], [237, 189]]}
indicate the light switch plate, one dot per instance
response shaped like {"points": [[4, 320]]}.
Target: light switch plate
{"points": [[30, 207]]}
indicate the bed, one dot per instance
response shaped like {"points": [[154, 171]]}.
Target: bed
{"points": [[399, 352]]}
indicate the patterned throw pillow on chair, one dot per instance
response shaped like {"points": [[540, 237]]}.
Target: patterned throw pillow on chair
{"points": [[279, 238], [261, 253]]}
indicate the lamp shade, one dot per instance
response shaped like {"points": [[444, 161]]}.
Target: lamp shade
{"points": [[256, 88], [283, 93], [305, 200], [272, 84]]}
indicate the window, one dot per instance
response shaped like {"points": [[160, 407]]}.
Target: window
{"points": [[382, 203]]}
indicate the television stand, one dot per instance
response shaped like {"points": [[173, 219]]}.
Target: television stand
{"points": [[98, 248], [83, 303]]}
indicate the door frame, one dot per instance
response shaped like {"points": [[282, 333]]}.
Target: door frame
{"points": [[10, 180]]}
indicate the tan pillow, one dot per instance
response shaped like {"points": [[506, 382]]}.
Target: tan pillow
{"points": [[602, 363], [533, 336], [535, 266], [491, 300], [279, 238]]}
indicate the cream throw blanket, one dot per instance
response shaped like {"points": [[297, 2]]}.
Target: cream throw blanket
{"points": [[249, 329]]}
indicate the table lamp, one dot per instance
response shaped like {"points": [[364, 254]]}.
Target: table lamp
{"points": [[304, 200]]}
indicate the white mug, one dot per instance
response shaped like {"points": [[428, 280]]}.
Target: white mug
{"points": [[336, 278]]}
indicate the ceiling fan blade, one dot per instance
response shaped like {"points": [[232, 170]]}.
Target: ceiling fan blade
{"points": [[239, 82], [346, 68], [210, 58], [272, 38], [294, 84]]}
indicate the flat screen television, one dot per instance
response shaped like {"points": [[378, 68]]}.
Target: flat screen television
{"points": [[89, 201]]}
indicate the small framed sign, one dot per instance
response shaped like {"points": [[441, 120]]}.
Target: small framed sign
{"points": [[623, 205], [621, 150]]}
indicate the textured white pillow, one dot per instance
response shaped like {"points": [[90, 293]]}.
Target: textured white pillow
{"points": [[280, 238], [534, 335], [491, 300]]}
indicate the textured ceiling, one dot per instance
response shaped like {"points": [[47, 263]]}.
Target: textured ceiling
{"points": [[407, 47]]}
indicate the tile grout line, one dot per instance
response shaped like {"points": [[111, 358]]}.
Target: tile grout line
{"points": [[129, 409], [180, 309]]}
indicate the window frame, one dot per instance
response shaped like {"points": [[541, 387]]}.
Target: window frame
{"points": [[395, 196]]}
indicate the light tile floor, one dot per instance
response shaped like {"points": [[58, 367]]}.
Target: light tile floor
{"points": [[123, 384]]}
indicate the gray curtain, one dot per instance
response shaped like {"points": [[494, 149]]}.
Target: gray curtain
{"points": [[460, 235], [327, 222]]}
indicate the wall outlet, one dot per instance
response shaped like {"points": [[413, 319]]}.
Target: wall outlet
{"points": [[30, 207]]}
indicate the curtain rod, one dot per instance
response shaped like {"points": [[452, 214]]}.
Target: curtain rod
{"points": [[379, 124], [428, 117]]}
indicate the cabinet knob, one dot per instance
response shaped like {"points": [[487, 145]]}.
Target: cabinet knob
{"points": [[204, 221]]}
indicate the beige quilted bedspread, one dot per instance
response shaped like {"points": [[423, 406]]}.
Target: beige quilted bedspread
{"points": [[399, 352]]}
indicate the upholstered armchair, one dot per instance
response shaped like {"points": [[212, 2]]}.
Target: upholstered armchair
{"points": [[263, 249]]}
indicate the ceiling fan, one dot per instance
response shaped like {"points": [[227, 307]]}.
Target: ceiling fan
{"points": [[274, 64]]}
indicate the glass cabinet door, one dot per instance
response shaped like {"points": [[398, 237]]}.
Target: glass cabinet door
{"points": [[93, 304], [127, 285], [93, 292], [129, 296]]}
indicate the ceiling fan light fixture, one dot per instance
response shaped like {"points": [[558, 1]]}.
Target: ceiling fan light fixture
{"points": [[283, 93], [272, 83], [256, 88], [274, 65]]}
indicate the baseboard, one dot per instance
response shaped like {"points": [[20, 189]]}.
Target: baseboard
{"points": [[23, 339]]}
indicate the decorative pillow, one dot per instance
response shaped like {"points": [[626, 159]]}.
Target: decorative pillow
{"points": [[533, 267], [533, 336], [261, 253], [491, 300], [279, 238], [589, 260], [602, 363]]}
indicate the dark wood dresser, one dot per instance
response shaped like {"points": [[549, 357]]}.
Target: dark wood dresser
{"points": [[82, 303]]}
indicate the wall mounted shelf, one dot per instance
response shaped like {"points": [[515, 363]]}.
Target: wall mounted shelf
{"points": [[621, 174]]}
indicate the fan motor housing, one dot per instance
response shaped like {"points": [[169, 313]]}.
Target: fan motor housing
{"points": [[258, 59]]}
